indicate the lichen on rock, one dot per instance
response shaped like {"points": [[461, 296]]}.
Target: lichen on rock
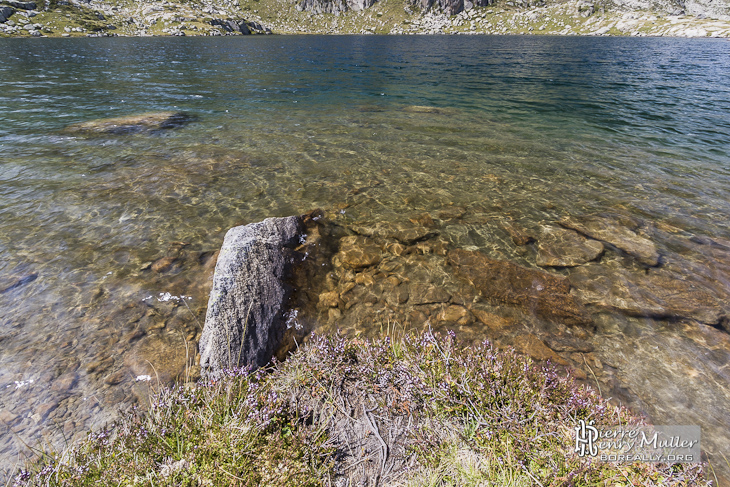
{"points": [[245, 307]]}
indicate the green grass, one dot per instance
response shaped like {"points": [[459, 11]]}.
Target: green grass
{"points": [[412, 411]]}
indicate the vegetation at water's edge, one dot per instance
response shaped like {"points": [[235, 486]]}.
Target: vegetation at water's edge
{"points": [[418, 410]]}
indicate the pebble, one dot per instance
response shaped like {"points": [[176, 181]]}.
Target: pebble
{"points": [[64, 382], [116, 378], [494, 322], [6, 417], [531, 345], [456, 314], [163, 264]]}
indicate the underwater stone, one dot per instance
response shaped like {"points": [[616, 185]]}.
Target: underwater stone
{"points": [[558, 247], [546, 295], [660, 294], [617, 231], [357, 253], [145, 122], [531, 345], [519, 235]]}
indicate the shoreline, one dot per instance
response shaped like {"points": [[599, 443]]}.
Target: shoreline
{"points": [[368, 191], [321, 418], [116, 19]]}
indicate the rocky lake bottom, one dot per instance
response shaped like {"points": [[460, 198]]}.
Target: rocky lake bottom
{"points": [[566, 198]]}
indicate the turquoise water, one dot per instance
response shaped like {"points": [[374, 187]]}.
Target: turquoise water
{"points": [[525, 129]]}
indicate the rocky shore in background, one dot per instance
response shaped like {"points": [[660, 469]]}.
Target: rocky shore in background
{"points": [[100, 18]]}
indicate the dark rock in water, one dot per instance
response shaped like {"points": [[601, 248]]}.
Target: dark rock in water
{"points": [[455, 314], [357, 253], [18, 283], [713, 242], [617, 231], [452, 213], [146, 122], [428, 294], [531, 345], [558, 247], [546, 295], [22, 5], [519, 235], [163, 264], [494, 322], [5, 13], [246, 304], [405, 233], [161, 356], [562, 343], [428, 109], [659, 294]]}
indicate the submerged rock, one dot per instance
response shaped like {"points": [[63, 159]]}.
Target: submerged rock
{"points": [[455, 314], [494, 322], [427, 109], [659, 294], [17, 282], [617, 233], [712, 242], [546, 295], [406, 233], [245, 308], [531, 345], [423, 293], [357, 253], [161, 356], [558, 247], [519, 235], [145, 122]]}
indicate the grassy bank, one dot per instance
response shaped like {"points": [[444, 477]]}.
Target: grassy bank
{"points": [[417, 410]]}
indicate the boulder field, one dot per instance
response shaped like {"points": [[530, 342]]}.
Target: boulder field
{"points": [[97, 18]]}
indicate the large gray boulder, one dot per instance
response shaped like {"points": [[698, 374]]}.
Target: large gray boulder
{"points": [[22, 5], [333, 6], [5, 13], [451, 7], [246, 303]]}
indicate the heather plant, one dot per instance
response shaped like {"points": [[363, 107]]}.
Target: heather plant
{"points": [[413, 410]]}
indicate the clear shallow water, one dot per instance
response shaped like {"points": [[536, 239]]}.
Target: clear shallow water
{"points": [[528, 130]]}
